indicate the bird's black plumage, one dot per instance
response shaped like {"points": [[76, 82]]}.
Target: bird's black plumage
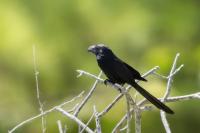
{"points": [[119, 72]]}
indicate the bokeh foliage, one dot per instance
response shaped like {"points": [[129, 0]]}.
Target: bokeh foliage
{"points": [[144, 33]]}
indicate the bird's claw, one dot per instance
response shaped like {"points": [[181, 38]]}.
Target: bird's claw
{"points": [[106, 82]]}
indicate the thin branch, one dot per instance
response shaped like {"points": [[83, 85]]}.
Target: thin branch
{"points": [[184, 97], [88, 95], [123, 129], [167, 77], [173, 99], [176, 71], [44, 113], [137, 120], [136, 108], [127, 88], [81, 72], [172, 73], [165, 122], [160, 76], [65, 129], [74, 118], [38, 91], [116, 128], [128, 102], [92, 116], [97, 120], [137, 112], [167, 93], [60, 126], [169, 82]]}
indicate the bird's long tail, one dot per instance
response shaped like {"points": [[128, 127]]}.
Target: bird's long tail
{"points": [[152, 99]]}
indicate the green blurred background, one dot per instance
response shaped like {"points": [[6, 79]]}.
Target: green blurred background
{"points": [[143, 33]]}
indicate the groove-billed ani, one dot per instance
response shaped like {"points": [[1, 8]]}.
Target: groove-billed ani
{"points": [[119, 72]]}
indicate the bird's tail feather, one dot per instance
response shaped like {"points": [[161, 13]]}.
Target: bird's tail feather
{"points": [[152, 99]]}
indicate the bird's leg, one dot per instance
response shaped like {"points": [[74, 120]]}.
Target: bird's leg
{"points": [[108, 81]]}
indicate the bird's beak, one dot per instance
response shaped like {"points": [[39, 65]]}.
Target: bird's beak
{"points": [[91, 49]]}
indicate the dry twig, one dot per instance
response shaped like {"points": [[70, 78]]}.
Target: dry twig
{"points": [[80, 106], [74, 118], [133, 106], [38, 91], [44, 113], [97, 120]]}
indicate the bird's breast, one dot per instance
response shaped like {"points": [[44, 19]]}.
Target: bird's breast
{"points": [[105, 64]]}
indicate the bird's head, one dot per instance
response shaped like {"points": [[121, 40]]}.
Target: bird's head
{"points": [[99, 49]]}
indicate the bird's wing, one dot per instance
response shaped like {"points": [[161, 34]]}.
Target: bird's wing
{"points": [[135, 74], [122, 70], [109, 67]]}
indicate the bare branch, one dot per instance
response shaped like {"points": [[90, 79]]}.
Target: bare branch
{"points": [[44, 113], [74, 118], [173, 99], [119, 124], [87, 123], [169, 82], [167, 93], [60, 126], [167, 77], [38, 91], [172, 73], [65, 129], [120, 95], [133, 106], [137, 120], [81, 72], [129, 101], [184, 97], [80, 106], [97, 120], [165, 122], [176, 71]]}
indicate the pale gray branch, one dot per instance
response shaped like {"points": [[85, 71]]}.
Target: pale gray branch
{"points": [[74, 118], [60, 126], [117, 98], [83, 129], [38, 90], [133, 106], [173, 99], [81, 72], [80, 106], [97, 120], [167, 93], [128, 113], [44, 113], [165, 122], [176, 71], [116, 129], [138, 121], [169, 82]]}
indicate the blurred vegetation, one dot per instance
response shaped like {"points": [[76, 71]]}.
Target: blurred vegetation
{"points": [[144, 33]]}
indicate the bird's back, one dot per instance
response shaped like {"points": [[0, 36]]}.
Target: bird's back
{"points": [[118, 71]]}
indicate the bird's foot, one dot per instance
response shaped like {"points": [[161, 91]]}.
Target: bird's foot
{"points": [[106, 82]]}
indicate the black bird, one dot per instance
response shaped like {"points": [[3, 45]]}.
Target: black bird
{"points": [[119, 72]]}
